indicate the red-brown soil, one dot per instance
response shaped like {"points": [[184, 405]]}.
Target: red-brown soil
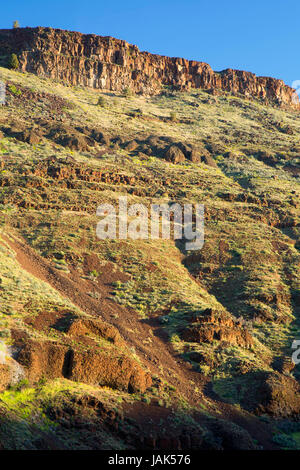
{"points": [[176, 371]]}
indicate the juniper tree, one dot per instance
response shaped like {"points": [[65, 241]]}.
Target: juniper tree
{"points": [[13, 62]]}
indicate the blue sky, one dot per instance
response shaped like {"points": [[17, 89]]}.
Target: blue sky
{"points": [[257, 36]]}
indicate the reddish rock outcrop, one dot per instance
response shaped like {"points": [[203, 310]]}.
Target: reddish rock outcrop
{"points": [[121, 372], [99, 328], [213, 326], [112, 64], [43, 359], [113, 367]]}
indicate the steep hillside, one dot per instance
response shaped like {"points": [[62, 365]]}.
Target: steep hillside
{"points": [[124, 344]]}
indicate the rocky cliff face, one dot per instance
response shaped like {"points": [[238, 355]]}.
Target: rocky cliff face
{"points": [[112, 64]]}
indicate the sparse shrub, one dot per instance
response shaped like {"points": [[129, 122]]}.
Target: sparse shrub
{"points": [[94, 273], [204, 369], [102, 102], [20, 385], [95, 295], [59, 255], [175, 339], [3, 149], [164, 319], [173, 116], [117, 284], [60, 261], [127, 92], [136, 113], [146, 399], [42, 381], [5, 333], [14, 90], [13, 62]]}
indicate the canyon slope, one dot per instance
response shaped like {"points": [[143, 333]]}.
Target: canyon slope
{"points": [[140, 344]]}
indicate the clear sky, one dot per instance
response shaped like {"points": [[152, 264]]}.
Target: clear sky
{"points": [[261, 36]]}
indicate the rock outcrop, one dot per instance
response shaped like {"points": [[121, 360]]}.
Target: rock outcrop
{"points": [[112, 64], [212, 326], [80, 357]]}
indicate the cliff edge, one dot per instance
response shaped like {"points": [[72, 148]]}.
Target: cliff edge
{"points": [[112, 64]]}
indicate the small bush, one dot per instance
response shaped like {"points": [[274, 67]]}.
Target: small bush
{"points": [[146, 399], [5, 333], [93, 273], [14, 90], [127, 92], [60, 261], [102, 102], [175, 339], [20, 385], [173, 116], [13, 62]]}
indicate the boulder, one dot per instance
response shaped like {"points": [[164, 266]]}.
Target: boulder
{"points": [[30, 136], [74, 142], [174, 154], [208, 160], [131, 146], [100, 137], [197, 154]]}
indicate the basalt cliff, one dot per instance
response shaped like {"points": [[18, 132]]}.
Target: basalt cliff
{"points": [[112, 64]]}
